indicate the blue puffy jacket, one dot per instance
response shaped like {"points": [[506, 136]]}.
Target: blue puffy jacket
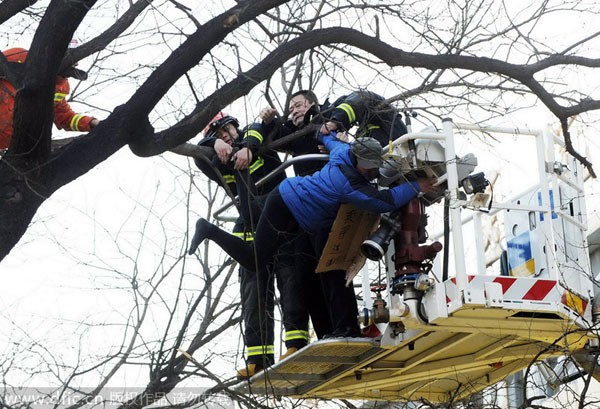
{"points": [[315, 200]]}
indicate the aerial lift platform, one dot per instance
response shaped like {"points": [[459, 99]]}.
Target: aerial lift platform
{"points": [[442, 338]]}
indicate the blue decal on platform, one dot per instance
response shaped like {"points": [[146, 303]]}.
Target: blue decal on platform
{"points": [[554, 215]]}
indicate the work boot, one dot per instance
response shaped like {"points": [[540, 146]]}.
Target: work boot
{"points": [[249, 371], [202, 228], [289, 352]]}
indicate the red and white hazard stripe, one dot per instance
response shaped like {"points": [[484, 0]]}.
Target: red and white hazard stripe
{"points": [[513, 288]]}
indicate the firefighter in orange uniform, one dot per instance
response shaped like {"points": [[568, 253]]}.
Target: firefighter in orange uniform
{"points": [[64, 117]]}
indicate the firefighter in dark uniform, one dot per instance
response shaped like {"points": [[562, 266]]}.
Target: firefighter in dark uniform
{"points": [[240, 167], [374, 117]]}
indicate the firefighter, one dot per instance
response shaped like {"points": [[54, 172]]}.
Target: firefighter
{"points": [[236, 160], [64, 117], [375, 118], [240, 166], [311, 203]]}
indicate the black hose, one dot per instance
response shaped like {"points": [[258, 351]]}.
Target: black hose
{"points": [[421, 310]]}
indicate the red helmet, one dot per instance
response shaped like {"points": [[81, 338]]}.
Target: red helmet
{"points": [[218, 122]]}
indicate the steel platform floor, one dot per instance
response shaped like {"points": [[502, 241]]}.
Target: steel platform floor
{"points": [[436, 364]]}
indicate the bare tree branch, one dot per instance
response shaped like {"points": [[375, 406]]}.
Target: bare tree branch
{"points": [[9, 8]]}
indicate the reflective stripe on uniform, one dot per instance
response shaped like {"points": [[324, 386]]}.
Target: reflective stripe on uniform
{"points": [[58, 96], [229, 178], [365, 130], [244, 236], [255, 134], [261, 350], [257, 164], [299, 334], [349, 112], [75, 122]]}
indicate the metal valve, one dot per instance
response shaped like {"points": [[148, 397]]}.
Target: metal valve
{"points": [[377, 315]]}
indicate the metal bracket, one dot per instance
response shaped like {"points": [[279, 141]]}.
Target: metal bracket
{"points": [[493, 295], [556, 167]]}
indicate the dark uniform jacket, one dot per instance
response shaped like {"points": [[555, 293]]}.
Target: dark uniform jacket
{"points": [[260, 166], [365, 109]]}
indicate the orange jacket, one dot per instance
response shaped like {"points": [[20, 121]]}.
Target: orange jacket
{"points": [[64, 117]]}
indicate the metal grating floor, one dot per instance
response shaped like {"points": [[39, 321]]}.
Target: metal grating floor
{"points": [[441, 362], [312, 366]]}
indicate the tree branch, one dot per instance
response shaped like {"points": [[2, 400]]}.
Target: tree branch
{"points": [[193, 123], [192, 51], [101, 41], [9, 8], [129, 122], [33, 109]]}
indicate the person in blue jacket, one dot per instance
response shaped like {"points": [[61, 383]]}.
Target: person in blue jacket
{"points": [[310, 203], [375, 118]]}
